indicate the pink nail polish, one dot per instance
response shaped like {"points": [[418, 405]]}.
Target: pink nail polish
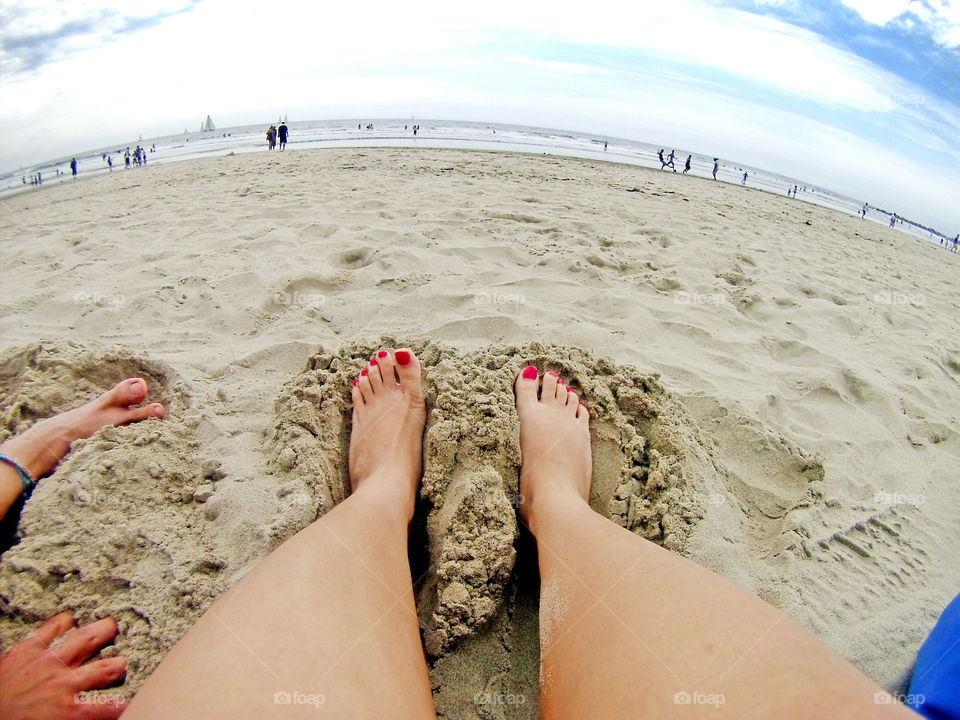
{"points": [[569, 389], [402, 357], [382, 354], [551, 372], [373, 361], [363, 372], [560, 381], [356, 382], [530, 372]]}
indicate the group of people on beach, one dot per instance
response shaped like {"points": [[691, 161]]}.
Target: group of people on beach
{"points": [[277, 135], [335, 602], [669, 161]]}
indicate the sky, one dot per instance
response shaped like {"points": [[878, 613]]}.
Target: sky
{"points": [[858, 96]]}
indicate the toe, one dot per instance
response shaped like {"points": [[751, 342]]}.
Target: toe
{"points": [[526, 386], [583, 415], [364, 385], [373, 373], [147, 411], [548, 392], [408, 370], [386, 365], [573, 402], [131, 391]]}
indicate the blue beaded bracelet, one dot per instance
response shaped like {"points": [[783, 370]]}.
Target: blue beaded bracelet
{"points": [[25, 477]]}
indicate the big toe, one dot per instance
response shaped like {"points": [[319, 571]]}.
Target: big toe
{"points": [[131, 391], [526, 385], [407, 365]]}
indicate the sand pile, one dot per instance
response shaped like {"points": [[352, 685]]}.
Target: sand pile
{"points": [[127, 525]]}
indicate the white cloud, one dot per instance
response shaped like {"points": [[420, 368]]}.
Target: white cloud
{"points": [[940, 17]]}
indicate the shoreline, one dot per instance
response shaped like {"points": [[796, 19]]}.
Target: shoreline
{"points": [[467, 136]]}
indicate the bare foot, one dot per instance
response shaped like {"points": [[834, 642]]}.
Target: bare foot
{"points": [[386, 443], [44, 445], [554, 442]]}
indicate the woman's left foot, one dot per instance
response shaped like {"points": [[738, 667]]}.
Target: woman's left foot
{"points": [[45, 444]]}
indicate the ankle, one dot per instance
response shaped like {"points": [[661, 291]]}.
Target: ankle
{"points": [[389, 496], [557, 507]]}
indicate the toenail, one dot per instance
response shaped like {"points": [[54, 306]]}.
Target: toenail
{"points": [[530, 372], [551, 372], [373, 361], [136, 386], [569, 389], [560, 381], [356, 381], [402, 357], [363, 372], [382, 354]]}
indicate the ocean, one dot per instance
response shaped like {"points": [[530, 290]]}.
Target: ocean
{"points": [[444, 134]]}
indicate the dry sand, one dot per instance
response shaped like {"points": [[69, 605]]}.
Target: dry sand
{"points": [[801, 437]]}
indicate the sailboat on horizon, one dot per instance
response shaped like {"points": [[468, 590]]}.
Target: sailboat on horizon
{"points": [[207, 125]]}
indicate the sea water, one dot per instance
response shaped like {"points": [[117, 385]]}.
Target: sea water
{"points": [[443, 134]]}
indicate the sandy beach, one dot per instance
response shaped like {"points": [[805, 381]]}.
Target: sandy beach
{"points": [[775, 389]]}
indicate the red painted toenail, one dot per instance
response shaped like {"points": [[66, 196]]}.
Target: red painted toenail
{"points": [[530, 372], [373, 361], [551, 372], [560, 381], [363, 372], [402, 356], [382, 354], [356, 381], [569, 389]]}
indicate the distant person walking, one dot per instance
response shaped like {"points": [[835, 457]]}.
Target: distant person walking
{"points": [[126, 156], [744, 181], [282, 135], [73, 167], [663, 163], [716, 166], [670, 160], [955, 240], [686, 165], [271, 137]]}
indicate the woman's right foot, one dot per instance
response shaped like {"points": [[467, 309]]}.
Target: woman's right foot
{"points": [[556, 462]]}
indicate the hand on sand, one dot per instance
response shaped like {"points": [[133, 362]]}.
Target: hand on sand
{"points": [[43, 683], [386, 442], [555, 455]]}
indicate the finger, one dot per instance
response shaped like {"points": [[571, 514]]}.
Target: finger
{"points": [[99, 674], [84, 642], [53, 628]]}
